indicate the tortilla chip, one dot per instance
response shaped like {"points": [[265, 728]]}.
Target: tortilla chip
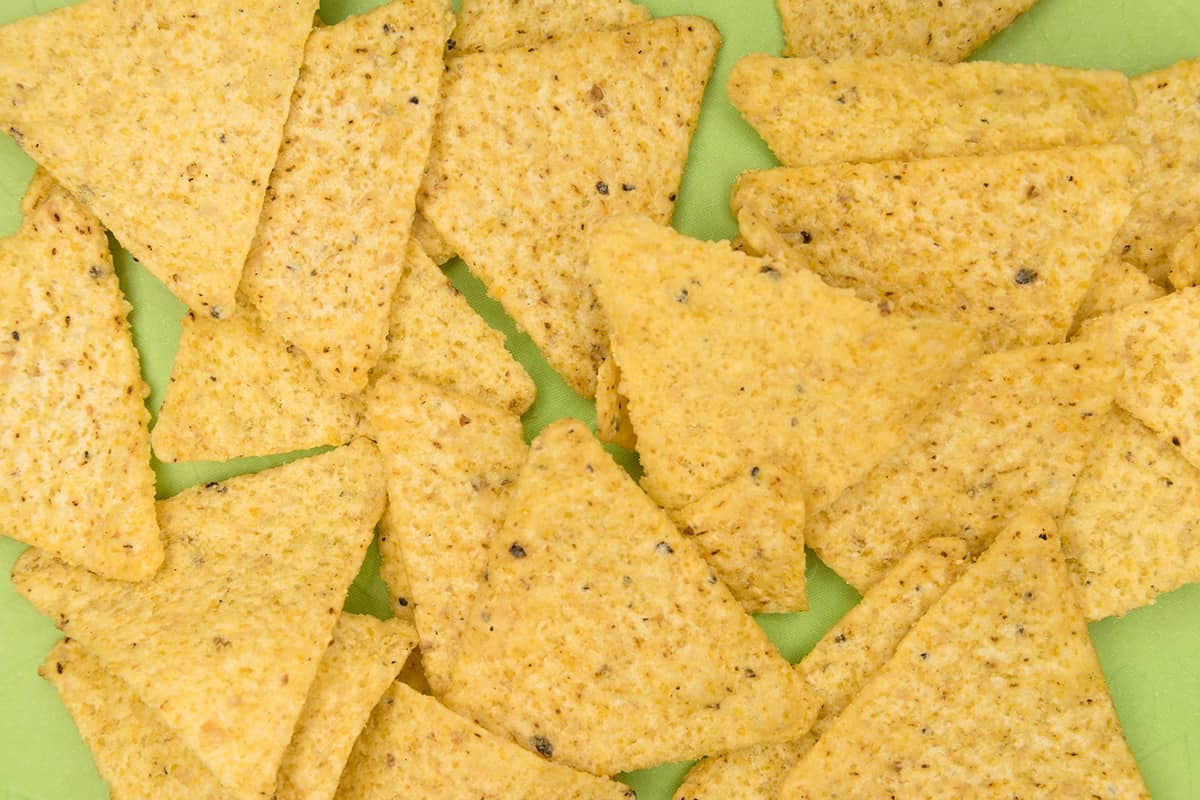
{"points": [[1000, 676], [425, 235], [811, 111], [361, 663], [932, 29], [751, 532], [451, 462], [183, 99], [491, 25], [612, 408], [1014, 432], [602, 640], [237, 388], [414, 747], [223, 642], [534, 147], [845, 659], [74, 451], [436, 337], [1185, 261], [1115, 284], [330, 249], [731, 361], [1003, 244], [393, 572], [1167, 126]]}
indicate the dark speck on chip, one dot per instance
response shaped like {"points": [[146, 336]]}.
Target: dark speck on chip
{"points": [[770, 272], [601, 187], [664, 548], [516, 551], [681, 296], [1025, 276], [543, 746]]}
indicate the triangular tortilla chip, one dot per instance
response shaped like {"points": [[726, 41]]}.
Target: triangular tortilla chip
{"points": [[534, 147], [330, 248], [490, 25], [135, 752], [812, 111], [602, 640], [162, 117], [996, 692], [451, 462], [1185, 261], [1167, 126], [361, 663], [1129, 533], [847, 656], [74, 450], [729, 361], [392, 571], [1013, 432], [238, 389], [1004, 244], [414, 747], [612, 408], [933, 29], [1115, 284], [425, 235], [224, 641], [436, 337]]}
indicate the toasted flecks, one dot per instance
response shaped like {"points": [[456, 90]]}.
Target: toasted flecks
{"points": [[1167, 126], [1003, 244], [1012, 432], [1115, 284], [534, 147], [362, 661], [436, 337], [612, 408], [451, 463], [1185, 261], [602, 640], [75, 474], [863, 109], [183, 99], [414, 747], [490, 25], [331, 245], [237, 388], [933, 29], [1002, 662], [729, 360], [837, 668], [224, 641]]}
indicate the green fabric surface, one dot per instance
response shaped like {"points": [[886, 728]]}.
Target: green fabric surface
{"points": [[1151, 657]]}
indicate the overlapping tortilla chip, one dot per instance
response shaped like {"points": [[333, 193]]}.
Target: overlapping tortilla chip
{"points": [[602, 640], [942, 31], [331, 245], [811, 111], [224, 641], [425, 235], [74, 450], [1013, 432], [612, 408], [1004, 244], [362, 661], [237, 388], [183, 99], [534, 147], [996, 692], [490, 25], [1115, 284], [393, 573], [414, 747], [1185, 261], [450, 462]]}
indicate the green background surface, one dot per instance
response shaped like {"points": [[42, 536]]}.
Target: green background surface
{"points": [[1151, 658]]}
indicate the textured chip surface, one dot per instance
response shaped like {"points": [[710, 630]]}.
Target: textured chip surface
{"points": [[488, 25], [1185, 261], [1115, 284]]}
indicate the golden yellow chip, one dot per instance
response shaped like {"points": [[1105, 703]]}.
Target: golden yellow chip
{"points": [[1115, 284], [489, 25]]}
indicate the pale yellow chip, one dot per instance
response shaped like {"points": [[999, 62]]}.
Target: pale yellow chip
{"points": [[730, 361], [1013, 432], [224, 641], [237, 388], [600, 637], [751, 532], [812, 111], [74, 450], [837, 668], [435, 336], [451, 462], [1167, 126], [1115, 284], [489, 25], [362, 661], [414, 747], [331, 246], [393, 572], [533, 148], [996, 692], [932, 29], [425, 235], [612, 408], [1185, 261], [164, 119], [1004, 244]]}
